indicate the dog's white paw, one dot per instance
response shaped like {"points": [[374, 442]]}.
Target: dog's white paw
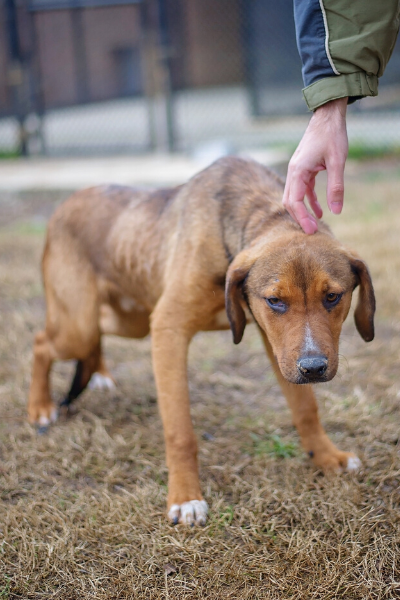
{"points": [[101, 382], [45, 421], [353, 463], [193, 512]]}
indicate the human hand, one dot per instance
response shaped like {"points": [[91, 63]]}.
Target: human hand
{"points": [[323, 146]]}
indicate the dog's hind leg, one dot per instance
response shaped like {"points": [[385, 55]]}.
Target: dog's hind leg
{"points": [[101, 378], [72, 330], [303, 405], [41, 410]]}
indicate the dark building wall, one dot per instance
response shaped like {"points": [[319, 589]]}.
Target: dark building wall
{"points": [[112, 50], [94, 54], [81, 52], [56, 57], [214, 43]]}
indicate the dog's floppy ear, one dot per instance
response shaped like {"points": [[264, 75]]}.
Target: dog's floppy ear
{"points": [[235, 278], [365, 309]]}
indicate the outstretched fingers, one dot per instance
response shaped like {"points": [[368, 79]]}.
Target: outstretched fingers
{"points": [[335, 186], [313, 200], [324, 145], [293, 200]]}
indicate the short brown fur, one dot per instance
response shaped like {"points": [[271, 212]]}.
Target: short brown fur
{"points": [[126, 262]]}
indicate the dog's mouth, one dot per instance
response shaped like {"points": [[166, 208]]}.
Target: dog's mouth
{"points": [[301, 380]]}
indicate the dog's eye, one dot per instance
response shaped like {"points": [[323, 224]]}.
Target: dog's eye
{"points": [[276, 304], [332, 299]]}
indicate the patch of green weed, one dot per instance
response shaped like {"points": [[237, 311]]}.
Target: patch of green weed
{"points": [[222, 519], [359, 151], [6, 589], [273, 445], [6, 154], [225, 517], [33, 227]]}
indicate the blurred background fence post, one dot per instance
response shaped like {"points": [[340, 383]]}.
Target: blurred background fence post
{"points": [[157, 79], [16, 75], [90, 77]]}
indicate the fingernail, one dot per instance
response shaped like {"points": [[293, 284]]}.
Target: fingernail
{"points": [[313, 226], [336, 208]]}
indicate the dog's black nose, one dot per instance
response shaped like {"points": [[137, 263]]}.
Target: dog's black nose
{"points": [[312, 367]]}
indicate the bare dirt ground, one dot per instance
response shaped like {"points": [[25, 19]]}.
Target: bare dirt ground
{"points": [[82, 510]]}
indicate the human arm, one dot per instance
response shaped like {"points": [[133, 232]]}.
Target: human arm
{"points": [[344, 47]]}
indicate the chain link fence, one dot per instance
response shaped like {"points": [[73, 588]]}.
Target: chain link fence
{"points": [[111, 76]]}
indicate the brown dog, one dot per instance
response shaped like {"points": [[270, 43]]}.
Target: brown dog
{"points": [[219, 251]]}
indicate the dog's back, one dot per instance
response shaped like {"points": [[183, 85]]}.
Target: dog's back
{"points": [[127, 235]]}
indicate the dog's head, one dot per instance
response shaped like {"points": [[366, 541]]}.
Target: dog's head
{"points": [[298, 289]]}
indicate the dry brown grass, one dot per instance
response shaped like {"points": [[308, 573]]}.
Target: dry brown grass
{"points": [[82, 508]]}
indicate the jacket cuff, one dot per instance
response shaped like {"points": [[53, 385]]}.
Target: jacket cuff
{"points": [[354, 85]]}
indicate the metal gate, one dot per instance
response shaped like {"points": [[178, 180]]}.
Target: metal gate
{"points": [[107, 76]]}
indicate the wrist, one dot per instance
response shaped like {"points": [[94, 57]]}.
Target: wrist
{"points": [[333, 107]]}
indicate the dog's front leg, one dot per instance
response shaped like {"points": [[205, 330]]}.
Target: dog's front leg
{"points": [[170, 348], [304, 408]]}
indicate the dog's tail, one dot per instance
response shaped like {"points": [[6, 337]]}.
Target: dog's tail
{"points": [[78, 384]]}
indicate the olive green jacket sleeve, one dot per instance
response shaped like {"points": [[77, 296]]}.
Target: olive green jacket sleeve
{"points": [[345, 46]]}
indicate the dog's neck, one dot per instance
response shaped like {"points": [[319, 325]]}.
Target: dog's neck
{"points": [[265, 222]]}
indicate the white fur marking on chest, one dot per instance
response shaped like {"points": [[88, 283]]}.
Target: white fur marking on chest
{"points": [[309, 343]]}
